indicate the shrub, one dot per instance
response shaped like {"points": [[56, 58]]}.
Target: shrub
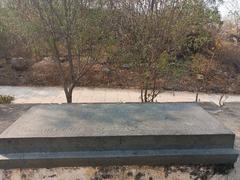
{"points": [[6, 99], [202, 65], [229, 54]]}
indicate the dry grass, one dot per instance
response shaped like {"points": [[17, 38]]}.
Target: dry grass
{"points": [[45, 73], [6, 99], [229, 55]]}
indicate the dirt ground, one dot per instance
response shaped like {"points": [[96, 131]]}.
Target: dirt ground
{"points": [[219, 78], [229, 115]]}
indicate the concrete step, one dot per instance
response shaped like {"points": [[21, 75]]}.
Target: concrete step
{"points": [[118, 157], [62, 144]]}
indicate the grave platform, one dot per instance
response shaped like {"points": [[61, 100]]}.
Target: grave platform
{"points": [[116, 134]]}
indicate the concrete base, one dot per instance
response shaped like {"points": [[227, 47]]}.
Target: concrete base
{"points": [[126, 157], [116, 134]]}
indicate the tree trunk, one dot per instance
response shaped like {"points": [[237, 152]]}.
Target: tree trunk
{"points": [[152, 5], [69, 98], [68, 94]]}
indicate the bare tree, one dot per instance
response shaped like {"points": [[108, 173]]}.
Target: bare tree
{"points": [[153, 33], [233, 7], [62, 22]]}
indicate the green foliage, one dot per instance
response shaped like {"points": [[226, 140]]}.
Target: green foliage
{"points": [[115, 34], [3, 39], [20, 35], [179, 68], [6, 99], [163, 62], [4, 34], [197, 42], [155, 39]]}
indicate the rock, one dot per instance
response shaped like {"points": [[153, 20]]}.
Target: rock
{"points": [[106, 70], [126, 66], [19, 64], [48, 59], [200, 77]]}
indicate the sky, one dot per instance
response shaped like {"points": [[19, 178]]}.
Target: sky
{"points": [[224, 10]]}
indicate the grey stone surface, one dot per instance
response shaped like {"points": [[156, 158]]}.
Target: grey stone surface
{"points": [[118, 157], [10, 113], [63, 144], [90, 120], [229, 115], [116, 134], [19, 64]]}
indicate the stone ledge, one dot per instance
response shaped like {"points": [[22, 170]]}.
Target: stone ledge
{"points": [[128, 157]]}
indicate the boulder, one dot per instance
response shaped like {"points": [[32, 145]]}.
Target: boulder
{"points": [[19, 64], [106, 70]]}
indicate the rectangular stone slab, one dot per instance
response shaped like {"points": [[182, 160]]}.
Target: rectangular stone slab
{"points": [[116, 134], [100, 120]]}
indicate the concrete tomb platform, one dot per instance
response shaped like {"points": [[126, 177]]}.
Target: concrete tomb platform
{"points": [[116, 134]]}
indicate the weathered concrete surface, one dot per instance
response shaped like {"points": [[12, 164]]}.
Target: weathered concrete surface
{"points": [[229, 115], [116, 134], [118, 157], [90, 120], [10, 113]]}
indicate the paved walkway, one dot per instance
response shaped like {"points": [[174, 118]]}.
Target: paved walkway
{"points": [[29, 95]]}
